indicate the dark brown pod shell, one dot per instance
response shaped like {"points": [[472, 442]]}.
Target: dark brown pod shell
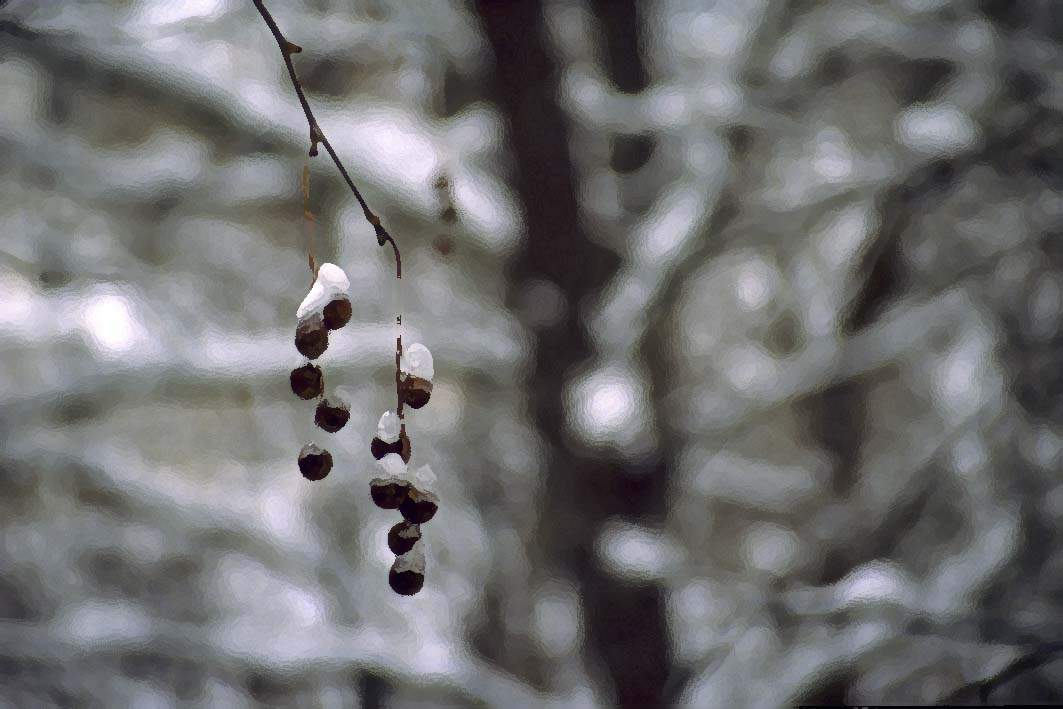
{"points": [[332, 415], [311, 337], [337, 313], [307, 381], [314, 463], [379, 448], [402, 537], [388, 493], [419, 507], [416, 391], [405, 583]]}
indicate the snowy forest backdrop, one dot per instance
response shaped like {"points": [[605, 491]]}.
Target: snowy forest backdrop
{"points": [[747, 337]]}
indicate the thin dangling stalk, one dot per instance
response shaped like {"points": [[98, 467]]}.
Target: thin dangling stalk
{"points": [[398, 351], [308, 215]]}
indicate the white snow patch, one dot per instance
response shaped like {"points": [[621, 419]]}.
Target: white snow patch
{"points": [[331, 281]]}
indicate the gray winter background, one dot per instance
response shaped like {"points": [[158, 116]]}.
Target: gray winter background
{"points": [[746, 319]]}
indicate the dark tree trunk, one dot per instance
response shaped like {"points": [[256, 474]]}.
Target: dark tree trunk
{"points": [[625, 622]]}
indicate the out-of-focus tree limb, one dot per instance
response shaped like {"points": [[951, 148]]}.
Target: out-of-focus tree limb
{"points": [[981, 690]]}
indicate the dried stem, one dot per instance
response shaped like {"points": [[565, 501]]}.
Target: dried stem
{"points": [[309, 216], [398, 374], [318, 136]]}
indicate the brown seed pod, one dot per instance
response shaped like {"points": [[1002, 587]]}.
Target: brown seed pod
{"points": [[307, 381], [419, 507], [402, 537], [379, 448], [337, 313], [388, 493], [407, 573], [332, 415], [311, 337], [405, 583], [314, 463], [416, 391]]}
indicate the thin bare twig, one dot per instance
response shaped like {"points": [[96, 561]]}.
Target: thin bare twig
{"points": [[318, 136]]}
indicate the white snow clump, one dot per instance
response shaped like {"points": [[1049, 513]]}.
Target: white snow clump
{"points": [[331, 281], [393, 465], [413, 560], [424, 478], [388, 429], [417, 361]]}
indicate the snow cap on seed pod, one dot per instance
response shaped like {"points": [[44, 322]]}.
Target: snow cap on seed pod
{"points": [[331, 284], [424, 478], [407, 573], [394, 466], [416, 361], [388, 428], [390, 490]]}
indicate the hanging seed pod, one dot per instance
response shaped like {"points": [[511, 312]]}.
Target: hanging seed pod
{"points": [[307, 381], [379, 448], [407, 573], [416, 391], [314, 463], [311, 337], [332, 415], [388, 493], [402, 537], [337, 313], [418, 506]]}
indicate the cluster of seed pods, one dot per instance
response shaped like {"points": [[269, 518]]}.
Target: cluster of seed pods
{"points": [[394, 489], [326, 307]]}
